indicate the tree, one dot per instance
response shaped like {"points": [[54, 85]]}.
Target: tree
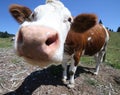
{"points": [[5, 34], [100, 21], [118, 30]]}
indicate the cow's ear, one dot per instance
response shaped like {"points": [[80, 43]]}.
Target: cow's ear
{"points": [[83, 22], [20, 13]]}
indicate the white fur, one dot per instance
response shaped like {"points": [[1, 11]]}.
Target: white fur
{"points": [[89, 38], [107, 37], [72, 69]]}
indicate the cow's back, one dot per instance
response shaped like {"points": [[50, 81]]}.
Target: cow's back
{"points": [[90, 41], [94, 39]]}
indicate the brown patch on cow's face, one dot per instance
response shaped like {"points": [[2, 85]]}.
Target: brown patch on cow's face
{"points": [[83, 22], [20, 13]]}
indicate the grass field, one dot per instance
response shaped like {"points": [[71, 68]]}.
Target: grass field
{"points": [[113, 51], [113, 54], [5, 43]]}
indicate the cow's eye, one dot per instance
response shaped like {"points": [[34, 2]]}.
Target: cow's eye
{"points": [[69, 19], [33, 15]]}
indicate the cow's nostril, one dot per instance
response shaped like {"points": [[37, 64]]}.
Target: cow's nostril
{"points": [[51, 39]]}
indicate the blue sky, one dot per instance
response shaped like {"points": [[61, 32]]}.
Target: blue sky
{"points": [[106, 10]]}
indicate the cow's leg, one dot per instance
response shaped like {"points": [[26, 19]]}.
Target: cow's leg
{"points": [[64, 65], [72, 71], [97, 64], [66, 59], [99, 57], [73, 67]]}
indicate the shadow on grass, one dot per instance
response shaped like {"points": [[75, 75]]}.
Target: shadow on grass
{"points": [[50, 76]]}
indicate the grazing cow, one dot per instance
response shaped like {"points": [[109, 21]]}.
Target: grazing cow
{"points": [[86, 37], [42, 33], [50, 30]]}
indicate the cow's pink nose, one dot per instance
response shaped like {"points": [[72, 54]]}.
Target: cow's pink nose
{"points": [[37, 42]]}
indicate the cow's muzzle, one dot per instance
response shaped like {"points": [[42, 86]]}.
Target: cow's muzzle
{"points": [[37, 42]]}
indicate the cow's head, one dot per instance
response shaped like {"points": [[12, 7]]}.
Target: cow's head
{"points": [[42, 33]]}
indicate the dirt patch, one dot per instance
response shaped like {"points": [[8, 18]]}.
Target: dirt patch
{"points": [[19, 78]]}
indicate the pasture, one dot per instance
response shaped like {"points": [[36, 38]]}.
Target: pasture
{"points": [[23, 79], [5, 43]]}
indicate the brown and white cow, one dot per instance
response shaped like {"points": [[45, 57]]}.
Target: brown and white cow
{"points": [[50, 30], [86, 37]]}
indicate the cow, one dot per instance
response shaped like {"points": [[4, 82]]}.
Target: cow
{"points": [[85, 37], [50, 35], [42, 33]]}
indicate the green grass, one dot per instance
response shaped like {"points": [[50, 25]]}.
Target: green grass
{"points": [[91, 81], [5, 43], [113, 52], [87, 61]]}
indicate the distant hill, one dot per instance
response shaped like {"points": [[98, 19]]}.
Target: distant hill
{"points": [[5, 34]]}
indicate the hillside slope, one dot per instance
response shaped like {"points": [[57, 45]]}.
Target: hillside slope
{"points": [[113, 56]]}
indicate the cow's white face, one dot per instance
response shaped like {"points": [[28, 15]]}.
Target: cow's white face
{"points": [[42, 33]]}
